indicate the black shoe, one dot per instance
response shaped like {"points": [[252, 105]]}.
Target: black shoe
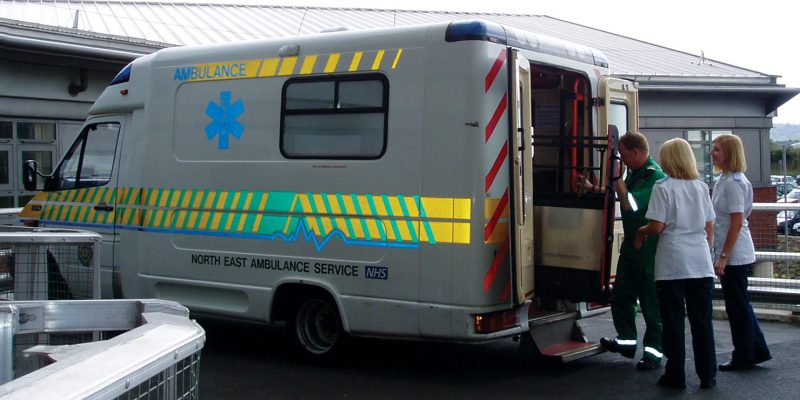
{"points": [[647, 364], [708, 384], [735, 366], [674, 383], [614, 347]]}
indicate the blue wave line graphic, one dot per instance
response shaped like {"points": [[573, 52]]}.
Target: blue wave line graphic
{"points": [[302, 229]]}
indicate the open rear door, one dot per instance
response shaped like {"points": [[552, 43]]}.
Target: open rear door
{"points": [[618, 113], [522, 178]]}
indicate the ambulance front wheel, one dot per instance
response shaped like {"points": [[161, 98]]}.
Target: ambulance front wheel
{"points": [[318, 329]]}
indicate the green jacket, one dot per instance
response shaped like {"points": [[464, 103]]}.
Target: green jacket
{"points": [[640, 185]]}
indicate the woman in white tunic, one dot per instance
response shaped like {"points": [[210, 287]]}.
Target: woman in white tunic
{"points": [[734, 254], [680, 211]]}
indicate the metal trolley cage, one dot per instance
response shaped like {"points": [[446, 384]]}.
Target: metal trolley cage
{"points": [[157, 357], [49, 264]]}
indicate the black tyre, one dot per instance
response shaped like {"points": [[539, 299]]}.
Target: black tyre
{"points": [[317, 329]]}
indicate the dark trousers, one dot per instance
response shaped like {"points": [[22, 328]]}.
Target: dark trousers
{"points": [[677, 299], [749, 345]]}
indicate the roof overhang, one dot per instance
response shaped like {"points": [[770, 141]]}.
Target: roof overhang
{"points": [[775, 94]]}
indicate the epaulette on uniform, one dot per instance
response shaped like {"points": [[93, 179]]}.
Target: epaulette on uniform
{"points": [[737, 176]]}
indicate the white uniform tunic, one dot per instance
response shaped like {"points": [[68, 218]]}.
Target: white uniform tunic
{"points": [[733, 193], [684, 207]]}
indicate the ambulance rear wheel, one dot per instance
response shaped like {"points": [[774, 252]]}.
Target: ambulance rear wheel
{"points": [[318, 330]]}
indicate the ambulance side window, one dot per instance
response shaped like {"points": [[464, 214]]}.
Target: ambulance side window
{"points": [[342, 117], [90, 160]]}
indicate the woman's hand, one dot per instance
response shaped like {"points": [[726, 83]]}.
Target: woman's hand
{"points": [[641, 237], [719, 266]]}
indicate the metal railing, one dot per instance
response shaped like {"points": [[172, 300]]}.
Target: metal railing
{"points": [[49, 264], [775, 283], [156, 357]]}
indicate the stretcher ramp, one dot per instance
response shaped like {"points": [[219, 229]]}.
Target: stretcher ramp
{"points": [[156, 357]]}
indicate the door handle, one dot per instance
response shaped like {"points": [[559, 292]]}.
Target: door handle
{"points": [[103, 207]]}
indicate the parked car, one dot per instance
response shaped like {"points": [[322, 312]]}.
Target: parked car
{"points": [[775, 179], [784, 188], [791, 222], [792, 197]]}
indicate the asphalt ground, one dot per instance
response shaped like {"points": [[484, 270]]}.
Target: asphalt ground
{"points": [[243, 361]]}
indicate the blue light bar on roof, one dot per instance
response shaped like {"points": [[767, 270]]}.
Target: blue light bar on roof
{"points": [[123, 76], [475, 30]]}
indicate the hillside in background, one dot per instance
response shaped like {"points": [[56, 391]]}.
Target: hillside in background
{"points": [[785, 133]]}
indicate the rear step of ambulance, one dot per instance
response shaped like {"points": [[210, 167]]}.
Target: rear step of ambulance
{"points": [[558, 337]]}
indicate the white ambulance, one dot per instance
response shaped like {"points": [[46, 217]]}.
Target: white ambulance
{"points": [[412, 182]]}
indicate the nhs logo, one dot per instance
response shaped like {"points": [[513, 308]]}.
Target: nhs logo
{"points": [[375, 272]]}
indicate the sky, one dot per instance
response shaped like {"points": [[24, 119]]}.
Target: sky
{"points": [[756, 35]]}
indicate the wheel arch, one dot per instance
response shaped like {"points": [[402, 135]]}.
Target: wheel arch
{"points": [[289, 295]]}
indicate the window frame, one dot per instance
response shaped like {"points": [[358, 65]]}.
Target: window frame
{"points": [[337, 80], [78, 149]]}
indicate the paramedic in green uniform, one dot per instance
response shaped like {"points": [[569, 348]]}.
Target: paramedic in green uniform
{"points": [[635, 279]]}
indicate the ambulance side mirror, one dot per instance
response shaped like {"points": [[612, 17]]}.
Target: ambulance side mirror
{"points": [[29, 175]]}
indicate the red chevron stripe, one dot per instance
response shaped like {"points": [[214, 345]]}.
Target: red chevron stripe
{"points": [[501, 206], [498, 63], [498, 162], [499, 258], [498, 112]]}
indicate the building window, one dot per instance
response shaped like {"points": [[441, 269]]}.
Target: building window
{"points": [[36, 131], [701, 146], [335, 118], [6, 130]]}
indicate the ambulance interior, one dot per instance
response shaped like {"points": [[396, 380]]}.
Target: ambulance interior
{"points": [[569, 221]]}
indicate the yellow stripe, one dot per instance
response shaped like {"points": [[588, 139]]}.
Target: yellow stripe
{"points": [[358, 231], [442, 231], [235, 201], [308, 65], [378, 57], [411, 206], [379, 207], [327, 224], [405, 234], [437, 207], [394, 203], [304, 203], [257, 223], [349, 207], [242, 220], [210, 200], [229, 222], [215, 221], [499, 234], [287, 66], [461, 232], [397, 58], [364, 205], [319, 203], [333, 60], [334, 202], [248, 200], [461, 209], [269, 67], [490, 205], [372, 225], [356, 60]]}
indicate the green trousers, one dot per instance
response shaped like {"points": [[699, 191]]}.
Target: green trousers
{"points": [[635, 280]]}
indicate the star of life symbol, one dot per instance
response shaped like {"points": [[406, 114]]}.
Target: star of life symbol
{"points": [[223, 120]]}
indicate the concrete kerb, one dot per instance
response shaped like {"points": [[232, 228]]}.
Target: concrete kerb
{"points": [[763, 315]]}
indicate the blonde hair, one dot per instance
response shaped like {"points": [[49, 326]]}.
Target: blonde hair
{"points": [[677, 159], [732, 146]]}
